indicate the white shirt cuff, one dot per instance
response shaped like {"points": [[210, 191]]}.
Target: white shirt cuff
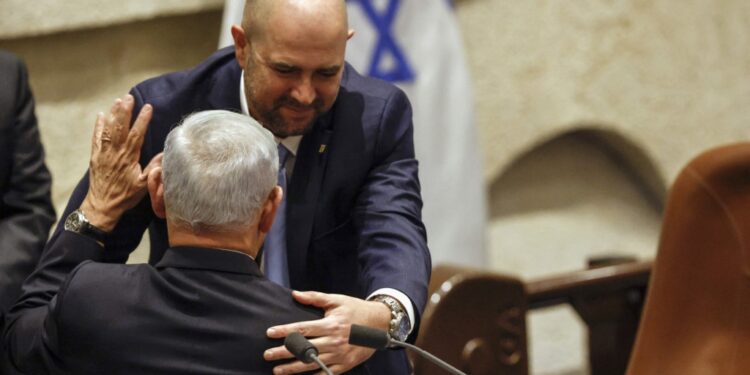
{"points": [[402, 298]]}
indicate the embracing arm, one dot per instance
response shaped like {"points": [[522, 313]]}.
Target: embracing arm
{"points": [[117, 184], [31, 334], [393, 249], [392, 253]]}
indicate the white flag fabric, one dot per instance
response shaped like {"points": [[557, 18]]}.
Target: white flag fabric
{"points": [[416, 45]]}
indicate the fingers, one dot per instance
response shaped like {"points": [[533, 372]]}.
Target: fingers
{"points": [[111, 131], [316, 299], [323, 344], [306, 328], [279, 352], [334, 363], [116, 125], [96, 138], [119, 118], [295, 367], [138, 132]]}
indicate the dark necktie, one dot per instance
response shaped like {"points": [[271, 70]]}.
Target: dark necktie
{"points": [[274, 253]]}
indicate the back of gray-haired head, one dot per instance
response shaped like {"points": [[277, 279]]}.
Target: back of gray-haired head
{"points": [[218, 169]]}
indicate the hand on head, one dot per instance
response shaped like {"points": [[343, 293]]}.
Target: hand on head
{"points": [[116, 180]]}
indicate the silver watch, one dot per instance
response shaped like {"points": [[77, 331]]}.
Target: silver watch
{"points": [[77, 222], [400, 325]]}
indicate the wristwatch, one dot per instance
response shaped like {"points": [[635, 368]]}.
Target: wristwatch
{"points": [[77, 222], [400, 325]]}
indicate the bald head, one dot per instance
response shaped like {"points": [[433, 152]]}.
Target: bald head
{"points": [[261, 16]]}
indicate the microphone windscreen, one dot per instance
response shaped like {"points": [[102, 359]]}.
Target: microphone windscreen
{"points": [[368, 337], [299, 346]]}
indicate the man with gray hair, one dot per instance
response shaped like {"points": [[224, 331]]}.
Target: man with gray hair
{"points": [[205, 307], [349, 238]]}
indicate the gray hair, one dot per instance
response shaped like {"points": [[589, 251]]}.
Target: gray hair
{"points": [[218, 169]]}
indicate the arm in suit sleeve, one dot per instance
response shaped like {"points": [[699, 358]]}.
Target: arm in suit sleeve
{"points": [[32, 335], [26, 212], [393, 245]]}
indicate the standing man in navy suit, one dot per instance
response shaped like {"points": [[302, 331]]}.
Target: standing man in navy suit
{"points": [[350, 226]]}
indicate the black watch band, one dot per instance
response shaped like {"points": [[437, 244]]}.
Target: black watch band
{"points": [[77, 222]]}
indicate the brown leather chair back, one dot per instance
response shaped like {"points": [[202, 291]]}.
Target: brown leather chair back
{"points": [[476, 322], [697, 314]]}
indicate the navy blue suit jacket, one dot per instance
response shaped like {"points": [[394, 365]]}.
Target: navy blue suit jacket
{"points": [[353, 207], [198, 311]]}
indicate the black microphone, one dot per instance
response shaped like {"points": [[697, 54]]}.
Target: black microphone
{"points": [[369, 337], [378, 339], [304, 350]]}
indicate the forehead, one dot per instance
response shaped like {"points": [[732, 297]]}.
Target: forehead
{"points": [[304, 38]]}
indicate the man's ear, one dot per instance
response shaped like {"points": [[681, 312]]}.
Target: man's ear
{"points": [[241, 46], [268, 213], [156, 192]]}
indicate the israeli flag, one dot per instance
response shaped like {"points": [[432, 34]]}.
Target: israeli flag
{"points": [[416, 45]]}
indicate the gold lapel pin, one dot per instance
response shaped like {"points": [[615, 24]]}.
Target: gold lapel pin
{"points": [[322, 149]]}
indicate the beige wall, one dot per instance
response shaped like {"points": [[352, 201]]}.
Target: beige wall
{"points": [[666, 77], [669, 74]]}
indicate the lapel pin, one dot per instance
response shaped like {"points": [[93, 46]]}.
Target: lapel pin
{"points": [[322, 149]]}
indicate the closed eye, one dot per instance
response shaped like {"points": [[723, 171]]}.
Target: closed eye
{"points": [[284, 69], [330, 72]]}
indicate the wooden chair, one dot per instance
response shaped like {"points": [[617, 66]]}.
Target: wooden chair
{"points": [[476, 321], [697, 314]]}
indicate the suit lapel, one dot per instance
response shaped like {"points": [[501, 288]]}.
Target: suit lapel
{"points": [[302, 197]]}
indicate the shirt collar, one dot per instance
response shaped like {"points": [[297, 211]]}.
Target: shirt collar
{"points": [[291, 143], [222, 260]]}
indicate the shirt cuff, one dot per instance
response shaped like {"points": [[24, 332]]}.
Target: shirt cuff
{"points": [[402, 298]]}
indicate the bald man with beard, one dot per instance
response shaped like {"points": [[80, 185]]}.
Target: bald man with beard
{"points": [[349, 232]]}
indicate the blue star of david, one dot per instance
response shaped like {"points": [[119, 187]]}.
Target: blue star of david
{"points": [[401, 71]]}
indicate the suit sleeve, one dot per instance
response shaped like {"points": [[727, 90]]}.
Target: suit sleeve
{"points": [[393, 243], [26, 212], [32, 335]]}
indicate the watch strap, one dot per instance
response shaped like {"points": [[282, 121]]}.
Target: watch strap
{"points": [[399, 326], [78, 223]]}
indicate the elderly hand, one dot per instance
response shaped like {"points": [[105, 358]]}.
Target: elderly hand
{"points": [[330, 334], [116, 181]]}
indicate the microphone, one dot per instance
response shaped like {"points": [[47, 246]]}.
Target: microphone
{"points": [[378, 339], [304, 350], [369, 337]]}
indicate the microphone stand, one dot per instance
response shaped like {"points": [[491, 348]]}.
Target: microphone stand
{"points": [[320, 363], [442, 364]]}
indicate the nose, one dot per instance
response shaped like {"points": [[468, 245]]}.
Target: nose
{"points": [[304, 92]]}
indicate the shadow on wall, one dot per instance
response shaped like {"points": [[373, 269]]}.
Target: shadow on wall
{"points": [[568, 168]]}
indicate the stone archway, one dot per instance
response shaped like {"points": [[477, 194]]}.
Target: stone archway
{"points": [[583, 193]]}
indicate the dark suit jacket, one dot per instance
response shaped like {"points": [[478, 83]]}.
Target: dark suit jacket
{"points": [[198, 311], [353, 206], [26, 212]]}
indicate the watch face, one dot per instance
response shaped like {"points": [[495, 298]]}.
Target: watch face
{"points": [[401, 331], [74, 222]]}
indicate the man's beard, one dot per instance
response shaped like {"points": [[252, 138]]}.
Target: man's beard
{"points": [[276, 124]]}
